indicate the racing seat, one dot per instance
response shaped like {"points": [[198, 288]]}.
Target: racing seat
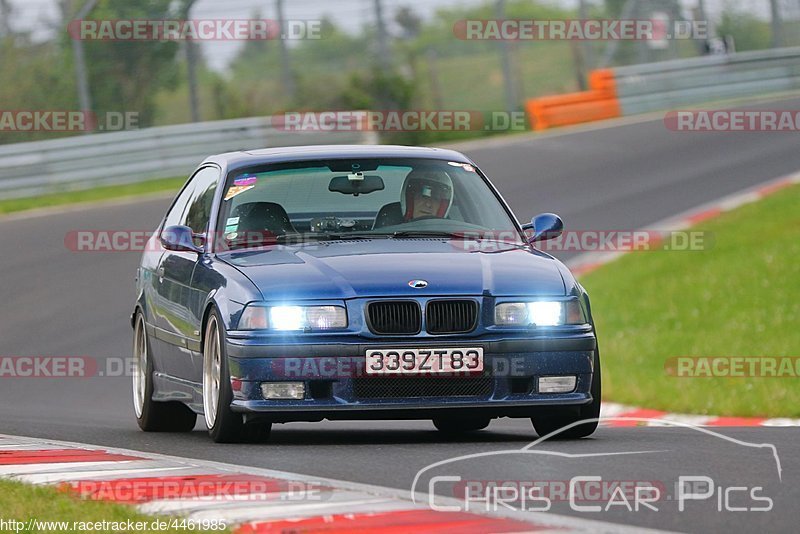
{"points": [[389, 215], [266, 217]]}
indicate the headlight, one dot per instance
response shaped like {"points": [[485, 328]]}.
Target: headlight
{"points": [[539, 313], [256, 317]]}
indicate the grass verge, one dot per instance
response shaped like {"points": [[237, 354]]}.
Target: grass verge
{"points": [[90, 195], [739, 298], [57, 511]]}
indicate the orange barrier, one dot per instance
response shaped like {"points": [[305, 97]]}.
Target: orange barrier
{"points": [[598, 103]]}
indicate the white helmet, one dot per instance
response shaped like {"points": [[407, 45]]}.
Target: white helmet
{"points": [[429, 183]]}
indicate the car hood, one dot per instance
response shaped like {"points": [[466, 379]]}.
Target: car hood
{"points": [[384, 268]]}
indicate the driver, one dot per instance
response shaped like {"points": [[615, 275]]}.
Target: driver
{"points": [[426, 194]]}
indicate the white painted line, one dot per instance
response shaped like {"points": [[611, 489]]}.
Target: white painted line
{"points": [[682, 221], [259, 512], [695, 420], [732, 201], [272, 502], [781, 421], [610, 409], [107, 474], [25, 469], [26, 447], [171, 506], [736, 201]]}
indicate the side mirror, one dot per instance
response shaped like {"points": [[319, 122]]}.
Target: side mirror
{"points": [[179, 239], [545, 226]]}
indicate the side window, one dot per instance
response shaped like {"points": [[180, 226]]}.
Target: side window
{"points": [[175, 214], [202, 197]]}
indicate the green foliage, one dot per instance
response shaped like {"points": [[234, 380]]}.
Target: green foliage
{"points": [[377, 89], [35, 77], [127, 75], [749, 32]]}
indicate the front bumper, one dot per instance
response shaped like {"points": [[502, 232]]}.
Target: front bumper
{"points": [[338, 388]]}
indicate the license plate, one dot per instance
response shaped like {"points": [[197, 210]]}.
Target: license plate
{"points": [[424, 361]]}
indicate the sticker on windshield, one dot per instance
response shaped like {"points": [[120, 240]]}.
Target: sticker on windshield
{"points": [[232, 221], [245, 181], [237, 190], [466, 166]]}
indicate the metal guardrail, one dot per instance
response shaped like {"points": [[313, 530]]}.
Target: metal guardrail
{"points": [[39, 167], [684, 82]]}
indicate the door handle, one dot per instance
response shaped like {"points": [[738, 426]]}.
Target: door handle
{"points": [[160, 272]]}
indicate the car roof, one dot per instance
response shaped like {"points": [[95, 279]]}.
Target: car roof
{"points": [[245, 158]]}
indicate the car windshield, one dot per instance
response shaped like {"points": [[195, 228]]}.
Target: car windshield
{"points": [[360, 199]]}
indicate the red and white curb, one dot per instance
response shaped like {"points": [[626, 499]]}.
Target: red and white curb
{"points": [[589, 261], [615, 415], [252, 500]]}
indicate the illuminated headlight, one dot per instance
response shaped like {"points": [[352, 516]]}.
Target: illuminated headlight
{"points": [[539, 313], [293, 318]]}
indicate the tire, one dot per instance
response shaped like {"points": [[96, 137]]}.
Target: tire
{"points": [[545, 425], [153, 416], [224, 425], [460, 426]]}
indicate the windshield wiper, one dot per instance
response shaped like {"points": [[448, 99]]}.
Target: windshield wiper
{"points": [[464, 236], [300, 238], [339, 236], [358, 235], [249, 242], [427, 233]]}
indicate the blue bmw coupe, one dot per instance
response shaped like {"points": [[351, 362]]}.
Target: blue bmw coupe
{"points": [[356, 282]]}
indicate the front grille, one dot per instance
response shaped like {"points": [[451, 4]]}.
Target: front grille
{"points": [[394, 317], [392, 387], [451, 316]]}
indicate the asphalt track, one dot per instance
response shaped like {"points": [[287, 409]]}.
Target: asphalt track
{"points": [[61, 303]]}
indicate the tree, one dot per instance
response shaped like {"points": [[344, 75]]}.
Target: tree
{"points": [[409, 22], [127, 75], [748, 31]]}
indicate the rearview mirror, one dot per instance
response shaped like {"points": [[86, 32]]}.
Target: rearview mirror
{"points": [[179, 239], [355, 184], [545, 226]]}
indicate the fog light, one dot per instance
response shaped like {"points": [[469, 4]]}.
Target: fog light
{"points": [[557, 384], [283, 390]]}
